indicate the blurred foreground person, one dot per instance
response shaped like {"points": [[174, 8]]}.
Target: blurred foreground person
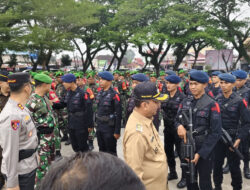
{"points": [[91, 171]]}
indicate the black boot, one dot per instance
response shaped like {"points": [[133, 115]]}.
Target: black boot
{"points": [[58, 155], [172, 175], [217, 188], [182, 183], [226, 169], [67, 142], [2, 181], [65, 138], [91, 145], [246, 170]]}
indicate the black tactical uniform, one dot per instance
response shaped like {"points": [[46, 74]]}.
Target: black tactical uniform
{"points": [[108, 120], [244, 92], [171, 138], [233, 112], [207, 131], [80, 117]]}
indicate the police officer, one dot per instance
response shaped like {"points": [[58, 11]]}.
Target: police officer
{"points": [[233, 112], [206, 125], [4, 96], [142, 147], [42, 115], [136, 79], [244, 92], [215, 87], [18, 136], [171, 138], [108, 115], [80, 114]]}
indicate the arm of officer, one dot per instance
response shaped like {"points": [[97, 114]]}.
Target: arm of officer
{"points": [[135, 149], [214, 133], [89, 110], [245, 120], [11, 144], [118, 112]]}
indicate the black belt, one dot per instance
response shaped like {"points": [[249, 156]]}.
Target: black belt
{"points": [[78, 113], [23, 154], [45, 130]]}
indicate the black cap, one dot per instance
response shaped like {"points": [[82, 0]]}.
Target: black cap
{"points": [[4, 76], [148, 91], [19, 78]]}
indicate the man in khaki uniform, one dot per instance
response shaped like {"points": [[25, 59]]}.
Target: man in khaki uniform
{"points": [[142, 147]]}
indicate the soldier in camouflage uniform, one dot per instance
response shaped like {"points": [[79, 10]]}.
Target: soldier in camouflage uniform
{"points": [[45, 122], [4, 96], [62, 114]]}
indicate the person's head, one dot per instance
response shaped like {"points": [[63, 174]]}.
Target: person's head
{"points": [[172, 82], [69, 81], [79, 81], [91, 171], [214, 77], [181, 73], [162, 75], [170, 72], [147, 99], [116, 75], [20, 84], [138, 78], [4, 85], [227, 82], [43, 83], [198, 82], [153, 77], [91, 78], [241, 78], [121, 77], [105, 79]]}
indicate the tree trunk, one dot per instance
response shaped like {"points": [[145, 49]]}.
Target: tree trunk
{"points": [[111, 63], [195, 58], [1, 59], [123, 52], [47, 60]]}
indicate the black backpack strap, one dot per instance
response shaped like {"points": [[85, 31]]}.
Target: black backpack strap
{"points": [[231, 102], [203, 102]]}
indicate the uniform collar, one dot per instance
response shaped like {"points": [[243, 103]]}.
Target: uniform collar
{"points": [[142, 118]]}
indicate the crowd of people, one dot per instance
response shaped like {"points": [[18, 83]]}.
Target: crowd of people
{"points": [[41, 110]]}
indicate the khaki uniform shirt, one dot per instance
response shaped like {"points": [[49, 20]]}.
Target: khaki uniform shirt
{"points": [[17, 132], [144, 152]]}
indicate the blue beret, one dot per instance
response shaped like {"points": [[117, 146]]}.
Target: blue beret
{"points": [[170, 72], [68, 78], [173, 79], [140, 77], [227, 77], [240, 74], [192, 70], [106, 75], [199, 76], [216, 73]]}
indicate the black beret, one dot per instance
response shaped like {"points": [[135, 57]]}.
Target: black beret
{"points": [[19, 78]]}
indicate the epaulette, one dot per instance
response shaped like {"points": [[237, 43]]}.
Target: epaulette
{"points": [[20, 106]]}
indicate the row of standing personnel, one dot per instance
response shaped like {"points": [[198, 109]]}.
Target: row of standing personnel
{"points": [[108, 118]]}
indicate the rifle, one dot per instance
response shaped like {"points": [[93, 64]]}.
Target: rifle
{"points": [[189, 149], [227, 139]]}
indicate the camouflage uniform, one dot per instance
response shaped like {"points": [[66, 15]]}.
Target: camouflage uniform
{"points": [[45, 122], [62, 114]]}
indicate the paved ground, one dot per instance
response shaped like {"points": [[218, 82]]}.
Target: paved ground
{"points": [[67, 151]]}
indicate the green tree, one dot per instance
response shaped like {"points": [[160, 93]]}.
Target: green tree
{"points": [[227, 16], [13, 61], [66, 61]]}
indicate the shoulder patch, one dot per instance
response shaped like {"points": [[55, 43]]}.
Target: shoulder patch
{"points": [[216, 107], [117, 97], [245, 102], [20, 106], [15, 124], [139, 128]]}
